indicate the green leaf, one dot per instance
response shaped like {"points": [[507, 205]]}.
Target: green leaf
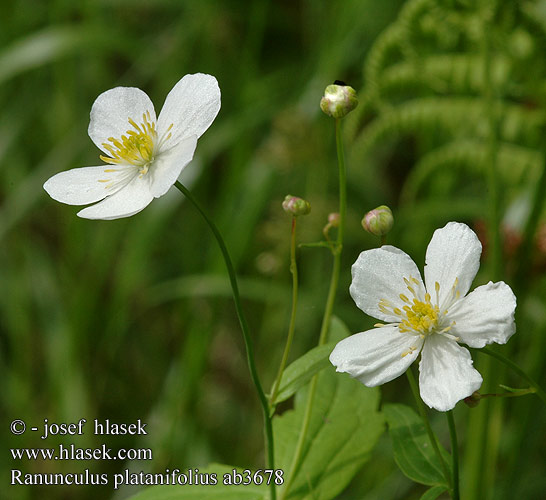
{"points": [[219, 491], [338, 330], [344, 427], [515, 390], [433, 493], [298, 373], [413, 451]]}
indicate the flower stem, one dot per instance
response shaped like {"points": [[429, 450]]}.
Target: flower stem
{"points": [[298, 452], [268, 428], [430, 432], [517, 394], [334, 280], [336, 250], [538, 390], [454, 453], [484, 424], [292, 325]]}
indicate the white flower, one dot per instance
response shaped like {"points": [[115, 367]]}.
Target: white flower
{"points": [[145, 155], [430, 318]]}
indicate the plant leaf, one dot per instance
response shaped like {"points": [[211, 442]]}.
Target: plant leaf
{"points": [[344, 427], [433, 493], [338, 330], [298, 373], [413, 451]]}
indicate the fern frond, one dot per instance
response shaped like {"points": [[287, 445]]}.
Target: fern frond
{"points": [[515, 164], [452, 117], [457, 73]]}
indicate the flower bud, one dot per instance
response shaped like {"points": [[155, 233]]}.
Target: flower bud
{"points": [[338, 100], [333, 219], [378, 221], [473, 400], [295, 206]]}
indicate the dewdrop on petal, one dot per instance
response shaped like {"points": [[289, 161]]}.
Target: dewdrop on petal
{"points": [[295, 206], [378, 221], [338, 100]]}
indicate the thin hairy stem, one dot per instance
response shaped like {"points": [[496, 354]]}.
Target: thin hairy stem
{"points": [[268, 428], [326, 319], [336, 251], [485, 428], [292, 325]]}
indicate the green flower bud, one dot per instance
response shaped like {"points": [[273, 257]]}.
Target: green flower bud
{"points": [[338, 100], [378, 221], [295, 206]]}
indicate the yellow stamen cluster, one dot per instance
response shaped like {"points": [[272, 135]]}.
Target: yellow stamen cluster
{"points": [[421, 316], [135, 148], [416, 315]]}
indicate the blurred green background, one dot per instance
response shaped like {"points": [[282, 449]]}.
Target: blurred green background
{"points": [[133, 319]]}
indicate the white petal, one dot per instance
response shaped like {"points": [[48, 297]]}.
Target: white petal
{"points": [[168, 165], [485, 315], [446, 374], [80, 186], [128, 201], [111, 111], [379, 274], [453, 252], [191, 106], [375, 357]]}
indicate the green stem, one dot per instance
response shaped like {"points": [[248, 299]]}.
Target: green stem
{"points": [[244, 328], [424, 416], [517, 394], [454, 453], [298, 452], [334, 280], [292, 325], [484, 427], [539, 391]]}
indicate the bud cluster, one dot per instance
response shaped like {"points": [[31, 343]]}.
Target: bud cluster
{"points": [[295, 206]]}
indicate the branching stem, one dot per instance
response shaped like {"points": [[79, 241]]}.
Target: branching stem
{"points": [[326, 319]]}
